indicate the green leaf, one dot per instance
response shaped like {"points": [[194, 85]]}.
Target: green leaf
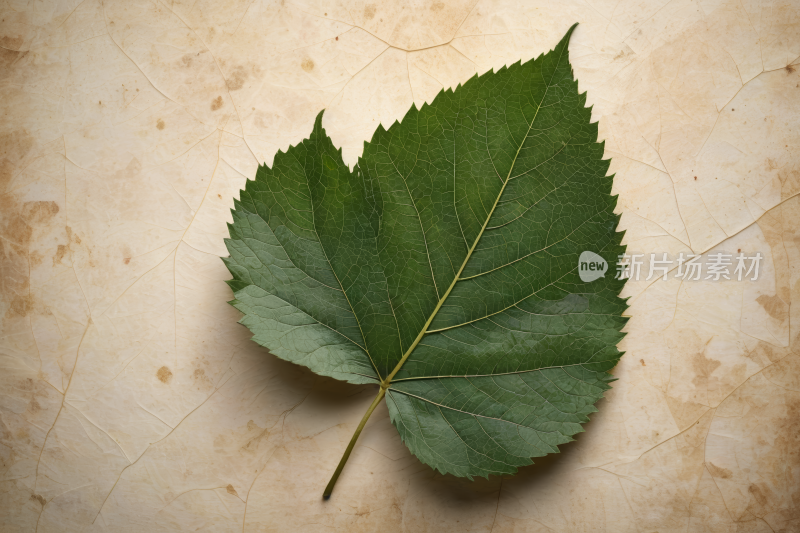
{"points": [[444, 267]]}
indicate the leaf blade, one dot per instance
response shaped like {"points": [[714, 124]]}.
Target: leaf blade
{"points": [[454, 242]]}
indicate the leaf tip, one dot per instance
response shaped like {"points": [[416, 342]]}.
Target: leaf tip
{"points": [[565, 40], [570, 30], [318, 120]]}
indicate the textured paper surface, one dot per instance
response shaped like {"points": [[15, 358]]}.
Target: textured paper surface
{"points": [[130, 400]]}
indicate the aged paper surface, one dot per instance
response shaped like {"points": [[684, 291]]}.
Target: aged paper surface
{"points": [[130, 400]]}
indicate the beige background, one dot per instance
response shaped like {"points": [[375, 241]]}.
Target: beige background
{"points": [[130, 400]]}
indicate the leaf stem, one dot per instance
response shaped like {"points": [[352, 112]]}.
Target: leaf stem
{"points": [[332, 482], [388, 380]]}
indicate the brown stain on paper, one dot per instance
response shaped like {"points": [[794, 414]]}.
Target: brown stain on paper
{"points": [[237, 79], [18, 220], [201, 380], [17, 223], [260, 434], [11, 43], [703, 368], [777, 488], [61, 252], [719, 472], [34, 406], [762, 498], [7, 60], [774, 306], [14, 146], [65, 250], [164, 374], [10, 53], [790, 181]]}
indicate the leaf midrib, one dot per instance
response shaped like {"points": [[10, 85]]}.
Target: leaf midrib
{"points": [[388, 380]]}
